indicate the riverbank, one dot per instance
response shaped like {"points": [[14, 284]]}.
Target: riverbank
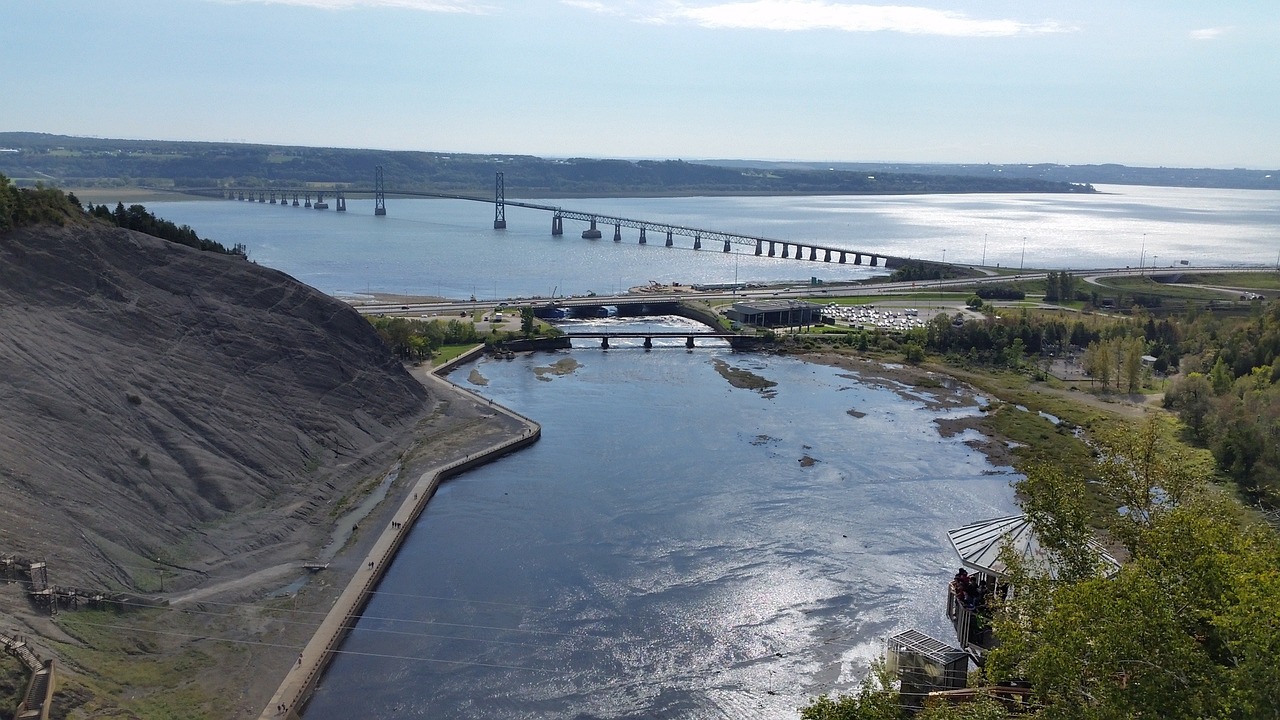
{"points": [[275, 625], [302, 677]]}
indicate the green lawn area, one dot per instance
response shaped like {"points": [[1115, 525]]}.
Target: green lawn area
{"points": [[1147, 286], [449, 352], [1269, 280]]}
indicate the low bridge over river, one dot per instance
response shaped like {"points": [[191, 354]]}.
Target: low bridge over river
{"points": [[736, 340], [661, 231]]}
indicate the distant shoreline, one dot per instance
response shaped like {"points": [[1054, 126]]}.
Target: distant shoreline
{"points": [[130, 195]]}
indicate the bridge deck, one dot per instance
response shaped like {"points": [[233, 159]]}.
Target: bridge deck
{"points": [[729, 238]]}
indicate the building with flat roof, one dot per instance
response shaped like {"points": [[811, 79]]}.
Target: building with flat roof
{"points": [[775, 313]]}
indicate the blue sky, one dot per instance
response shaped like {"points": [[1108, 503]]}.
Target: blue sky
{"points": [[1136, 82]]}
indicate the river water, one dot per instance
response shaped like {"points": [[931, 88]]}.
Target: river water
{"points": [[663, 551], [448, 247]]}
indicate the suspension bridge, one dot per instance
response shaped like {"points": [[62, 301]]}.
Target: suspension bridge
{"points": [[662, 231]]}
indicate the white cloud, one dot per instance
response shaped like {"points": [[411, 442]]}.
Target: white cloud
{"points": [[796, 15], [444, 6], [1212, 33]]}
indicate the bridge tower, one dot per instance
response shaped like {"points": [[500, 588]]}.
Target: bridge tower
{"points": [[499, 203], [557, 224], [642, 237], [340, 202], [379, 194]]}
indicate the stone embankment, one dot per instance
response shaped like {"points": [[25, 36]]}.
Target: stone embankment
{"points": [[301, 679]]}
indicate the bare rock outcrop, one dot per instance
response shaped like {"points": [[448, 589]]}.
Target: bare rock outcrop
{"points": [[161, 402]]}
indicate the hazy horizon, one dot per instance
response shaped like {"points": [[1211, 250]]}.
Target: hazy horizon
{"points": [[1173, 84]]}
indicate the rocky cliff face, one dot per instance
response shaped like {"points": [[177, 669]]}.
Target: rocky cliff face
{"points": [[161, 402]]}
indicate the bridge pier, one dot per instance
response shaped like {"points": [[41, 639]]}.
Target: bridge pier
{"points": [[670, 242], [726, 245], [262, 197], [379, 194], [873, 261], [592, 233], [617, 232], [857, 258], [642, 239], [842, 258], [688, 342], [320, 203], [295, 199], [813, 253], [273, 197], [759, 247], [341, 202], [648, 343], [499, 202], [697, 242], [785, 250], [557, 225], [604, 343], [308, 202], [828, 256], [799, 252]]}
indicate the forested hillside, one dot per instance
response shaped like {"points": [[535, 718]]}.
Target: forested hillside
{"points": [[81, 162]]}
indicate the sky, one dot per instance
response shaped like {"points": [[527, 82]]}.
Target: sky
{"points": [[1138, 82]]}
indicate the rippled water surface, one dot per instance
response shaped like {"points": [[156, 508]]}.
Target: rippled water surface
{"points": [[448, 247], [663, 551]]}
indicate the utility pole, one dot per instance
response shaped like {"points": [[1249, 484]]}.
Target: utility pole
{"points": [[1023, 262], [984, 249]]}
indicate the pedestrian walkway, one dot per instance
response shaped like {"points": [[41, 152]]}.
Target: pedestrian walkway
{"points": [[301, 679]]}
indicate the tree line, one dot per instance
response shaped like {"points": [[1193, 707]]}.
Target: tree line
{"points": [[30, 206], [92, 161], [415, 340], [1185, 629], [1228, 396]]}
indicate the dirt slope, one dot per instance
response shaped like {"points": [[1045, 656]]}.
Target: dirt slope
{"points": [[160, 402]]}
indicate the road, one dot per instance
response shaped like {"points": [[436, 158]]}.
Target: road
{"points": [[454, 307]]}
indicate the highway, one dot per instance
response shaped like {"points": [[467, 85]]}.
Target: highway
{"points": [[793, 292]]}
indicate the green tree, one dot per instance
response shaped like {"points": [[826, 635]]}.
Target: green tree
{"points": [[1220, 377], [1183, 630], [876, 699], [1191, 396], [526, 321]]}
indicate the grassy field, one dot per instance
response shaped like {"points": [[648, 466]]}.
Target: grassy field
{"points": [[1147, 286], [135, 674], [449, 352], [1253, 281]]}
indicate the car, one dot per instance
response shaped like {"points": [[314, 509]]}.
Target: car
{"points": [[404, 307]]}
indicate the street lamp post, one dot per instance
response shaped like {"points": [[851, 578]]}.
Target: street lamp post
{"points": [[1023, 262], [984, 251]]}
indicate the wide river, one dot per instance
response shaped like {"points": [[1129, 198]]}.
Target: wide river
{"points": [[449, 247], [663, 551]]}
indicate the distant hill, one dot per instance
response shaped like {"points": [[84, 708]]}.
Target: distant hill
{"points": [[158, 401], [1109, 174], [85, 162]]}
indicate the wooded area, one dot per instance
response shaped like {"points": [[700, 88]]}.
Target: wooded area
{"points": [[84, 162]]}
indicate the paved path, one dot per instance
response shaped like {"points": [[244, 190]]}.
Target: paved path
{"points": [[311, 662]]}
